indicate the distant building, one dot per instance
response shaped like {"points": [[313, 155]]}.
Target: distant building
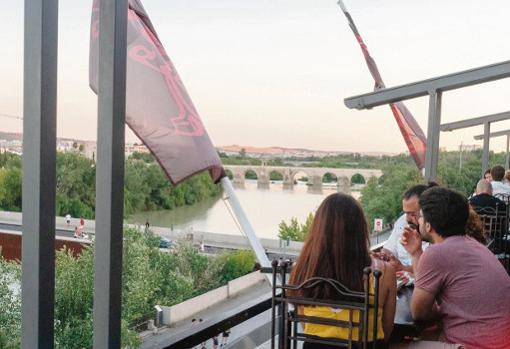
{"points": [[469, 147], [131, 148]]}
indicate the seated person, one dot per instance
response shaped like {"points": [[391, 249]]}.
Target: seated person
{"points": [[487, 175], [457, 279], [498, 187], [337, 247], [474, 227], [484, 198], [392, 250]]}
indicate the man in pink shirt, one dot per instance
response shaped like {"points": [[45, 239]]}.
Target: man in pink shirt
{"points": [[458, 280]]}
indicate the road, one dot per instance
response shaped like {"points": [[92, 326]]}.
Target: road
{"points": [[16, 227]]}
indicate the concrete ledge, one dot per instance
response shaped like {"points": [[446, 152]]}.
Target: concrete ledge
{"points": [[240, 284], [186, 309], [183, 310]]}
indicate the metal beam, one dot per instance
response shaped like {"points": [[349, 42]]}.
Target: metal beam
{"points": [[493, 134], [432, 155], [499, 134], [475, 121], [39, 172], [422, 88], [110, 174], [485, 153]]}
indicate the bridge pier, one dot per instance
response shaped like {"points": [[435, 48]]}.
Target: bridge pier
{"points": [[288, 181], [315, 184], [344, 185], [238, 180], [262, 179]]}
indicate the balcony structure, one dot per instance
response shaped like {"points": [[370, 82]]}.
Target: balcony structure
{"points": [[39, 157]]}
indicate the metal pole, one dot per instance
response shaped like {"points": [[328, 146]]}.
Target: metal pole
{"points": [[110, 174], [244, 222], [485, 154], [39, 172], [432, 156], [507, 159], [460, 158]]}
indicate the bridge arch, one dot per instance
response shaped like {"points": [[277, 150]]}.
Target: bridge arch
{"points": [[276, 175], [300, 176], [250, 174], [329, 177], [358, 178]]}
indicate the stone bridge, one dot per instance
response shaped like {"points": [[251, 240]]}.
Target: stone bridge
{"points": [[314, 174]]}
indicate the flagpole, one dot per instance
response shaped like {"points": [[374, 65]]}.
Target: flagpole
{"points": [[245, 224], [411, 131]]}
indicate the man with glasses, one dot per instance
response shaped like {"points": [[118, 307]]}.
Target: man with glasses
{"points": [[458, 280], [393, 251]]}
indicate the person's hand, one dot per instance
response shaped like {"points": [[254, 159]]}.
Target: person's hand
{"points": [[411, 240], [395, 262], [404, 276], [382, 256]]}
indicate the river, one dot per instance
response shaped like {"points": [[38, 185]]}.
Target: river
{"points": [[265, 209]]}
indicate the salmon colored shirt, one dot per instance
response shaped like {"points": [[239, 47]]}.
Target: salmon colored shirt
{"points": [[472, 291]]}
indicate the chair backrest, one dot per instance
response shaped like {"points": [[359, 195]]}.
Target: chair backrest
{"points": [[351, 301], [495, 226], [506, 199]]}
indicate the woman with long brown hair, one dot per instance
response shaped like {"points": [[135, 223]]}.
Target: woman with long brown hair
{"points": [[337, 247]]}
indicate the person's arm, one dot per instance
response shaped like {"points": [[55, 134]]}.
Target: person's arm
{"points": [[429, 277], [422, 305], [397, 264], [388, 316]]}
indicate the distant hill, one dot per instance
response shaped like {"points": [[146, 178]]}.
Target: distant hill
{"points": [[273, 151], [8, 136], [282, 151], [11, 136]]}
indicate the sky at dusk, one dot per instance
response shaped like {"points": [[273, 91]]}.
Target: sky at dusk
{"points": [[275, 72]]}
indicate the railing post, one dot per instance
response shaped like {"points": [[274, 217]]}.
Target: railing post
{"points": [[39, 172], [433, 130], [507, 158], [486, 142], [110, 173]]}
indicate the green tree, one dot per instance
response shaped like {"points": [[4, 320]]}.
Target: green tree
{"points": [[329, 178], [383, 198], [357, 179], [275, 176], [293, 230], [10, 303], [234, 265], [10, 189], [149, 277], [250, 174]]}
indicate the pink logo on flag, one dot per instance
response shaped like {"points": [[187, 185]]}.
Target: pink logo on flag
{"points": [[158, 107]]}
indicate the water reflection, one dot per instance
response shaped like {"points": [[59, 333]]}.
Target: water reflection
{"points": [[265, 208]]}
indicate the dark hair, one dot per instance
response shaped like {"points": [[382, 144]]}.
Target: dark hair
{"points": [[336, 247], [445, 210], [417, 190], [474, 226], [487, 171], [497, 173]]}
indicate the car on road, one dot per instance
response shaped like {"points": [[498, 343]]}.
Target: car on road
{"points": [[165, 243]]}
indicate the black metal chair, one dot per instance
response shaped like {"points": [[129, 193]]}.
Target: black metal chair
{"points": [[495, 225], [352, 301]]}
